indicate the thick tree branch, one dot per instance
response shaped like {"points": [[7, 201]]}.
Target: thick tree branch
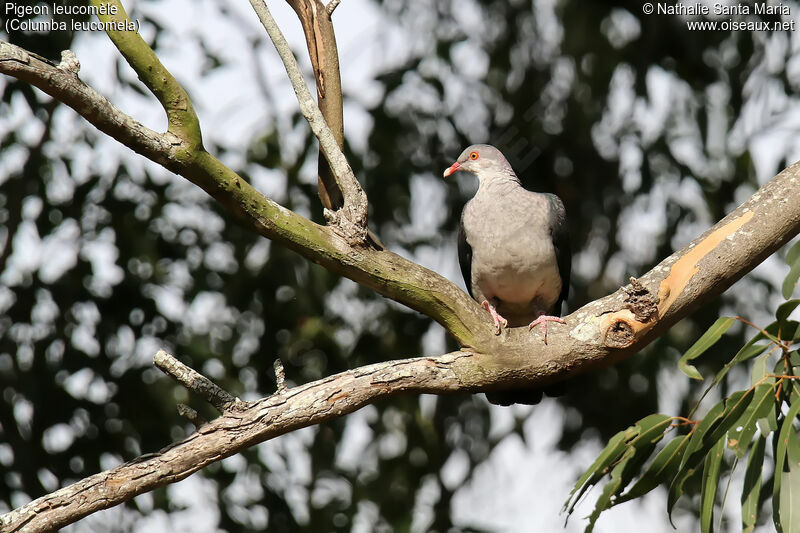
{"points": [[181, 117], [352, 217], [64, 85], [383, 271], [236, 431], [597, 335]]}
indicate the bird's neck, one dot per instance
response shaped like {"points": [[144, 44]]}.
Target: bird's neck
{"points": [[499, 183]]}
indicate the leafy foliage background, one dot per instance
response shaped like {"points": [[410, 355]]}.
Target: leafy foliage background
{"points": [[648, 132]]}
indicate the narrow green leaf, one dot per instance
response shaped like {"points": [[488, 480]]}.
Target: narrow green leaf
{"points": [[790, 330], [696, 437], [613, 486], [695, 442], [793, 260], [747, 352], [652, 430], [794, 362], [741, 436], [787, 330], [709, 338], [785, 309], [706, 434], [663, 467], [790, 281], [793, 450], [611, 453], [708, 494], [751, 349], [790, 483], [793, 255], [632, 447], [751, 490], [637, 452], [736, 404], [781, 446], [710, 430], [759, 371], [685, 473], [769, 423], [790, 500]]}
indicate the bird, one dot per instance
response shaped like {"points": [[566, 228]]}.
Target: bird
{"points": [[513, 249]]}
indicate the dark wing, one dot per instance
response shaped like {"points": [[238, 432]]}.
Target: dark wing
{"points": [[465, 256], [559, 229]]}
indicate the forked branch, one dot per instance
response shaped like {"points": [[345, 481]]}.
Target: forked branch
{"points": [[352, 218]]}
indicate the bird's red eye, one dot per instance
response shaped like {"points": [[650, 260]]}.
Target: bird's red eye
{"points": [[473, 155]]}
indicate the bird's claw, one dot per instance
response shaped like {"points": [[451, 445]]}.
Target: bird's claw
{"points": [[499, 321], [543, 320]]}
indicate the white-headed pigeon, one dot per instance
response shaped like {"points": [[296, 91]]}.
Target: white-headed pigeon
{"points": [[513, 247]]}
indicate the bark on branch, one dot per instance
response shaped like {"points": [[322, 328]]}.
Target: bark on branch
{"points": [[237, 430], [387, 273], [597, 335], [324, 56], [352, 217], [197, 383]]}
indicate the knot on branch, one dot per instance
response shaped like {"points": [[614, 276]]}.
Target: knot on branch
{"points": [[350, 223], [69, 62], [620, 334], [640, 301]]}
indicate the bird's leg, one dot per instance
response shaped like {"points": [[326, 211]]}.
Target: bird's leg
{"points": [[543, 320], [498, 320]]}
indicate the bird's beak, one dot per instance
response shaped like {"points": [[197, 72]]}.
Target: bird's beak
{"points": [[455, 167]]}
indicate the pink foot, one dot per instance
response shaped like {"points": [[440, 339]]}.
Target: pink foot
{"points": [[498, 320], [543, 320]]}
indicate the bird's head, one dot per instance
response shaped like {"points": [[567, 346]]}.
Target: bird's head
{"points": [[483, 160]]}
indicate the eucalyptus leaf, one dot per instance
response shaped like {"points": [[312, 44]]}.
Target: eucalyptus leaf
{"points": [[614, 485], [683, 475], [661, 468], [708, 494], [793, 260], [611, 453], [759, 371], [706, 341], [705, 436], [790, 486], [741, 436], [747, 352], [785, 309], [751, 489], [650, 430], [790, 500], [790, 282], [781, 447], [793, 255]]}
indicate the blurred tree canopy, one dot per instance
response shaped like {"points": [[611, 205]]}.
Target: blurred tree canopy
{"points": [[647, 131]]}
